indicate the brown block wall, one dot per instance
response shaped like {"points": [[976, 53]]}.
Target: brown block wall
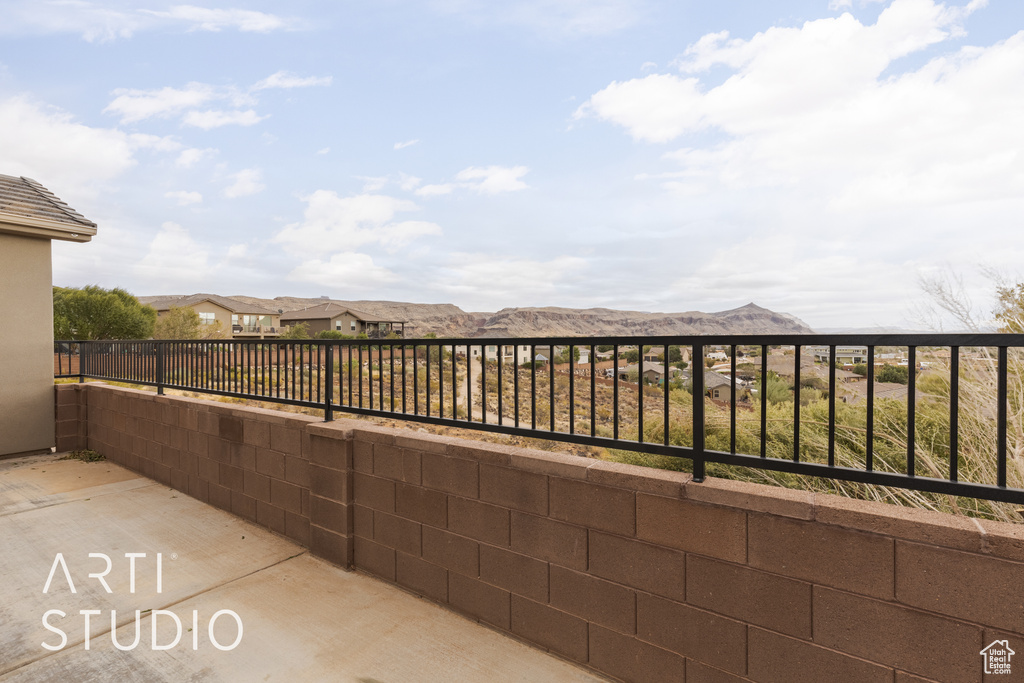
{"points": [[71, 417], [251, 462], [637, 573]]}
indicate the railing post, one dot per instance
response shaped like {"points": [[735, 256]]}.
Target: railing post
{"points": [[81, 362], [159, 369], [329, 385], [1001, 381], [697, 384]]}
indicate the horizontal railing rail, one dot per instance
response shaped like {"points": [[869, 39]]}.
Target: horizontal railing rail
{"points": [[795, 415]]}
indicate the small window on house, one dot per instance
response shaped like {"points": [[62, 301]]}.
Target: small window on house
{"points": [[207, 318], [337, 325], [353, 324]]}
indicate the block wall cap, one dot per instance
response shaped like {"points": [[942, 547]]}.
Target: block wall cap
{"points": [[912, 524], [754, 497], [332, 430]]}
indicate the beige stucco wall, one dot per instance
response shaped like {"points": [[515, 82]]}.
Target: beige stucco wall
{"points": [[222, 315], [225, 317], [26, 345], [346, 321]]}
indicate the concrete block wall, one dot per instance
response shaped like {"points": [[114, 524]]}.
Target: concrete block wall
{"points": [[250, 462], [70, 417], [637, 573]]}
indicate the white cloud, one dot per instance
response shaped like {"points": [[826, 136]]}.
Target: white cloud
{"points": [[215, 119], [815, 109], [467, 275], [407, 143], [333, 224], [207, 19], [847, 4], [135, 105], [350, 270], [284, 79], [193, 155], [93, 22], [247, 182], [656, 108], [96, 22], [174, 260], [493, 179], [155, 142], [373, 183], [72, 159], [807, 278], [435, 190], [185, 197], [237, 252], [482, 180], [408, 182], [323, 150]]}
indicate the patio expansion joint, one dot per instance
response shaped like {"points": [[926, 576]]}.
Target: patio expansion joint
{"points": [[64, 501]]}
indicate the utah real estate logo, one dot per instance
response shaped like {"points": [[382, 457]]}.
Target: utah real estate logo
{"points": [[997, 657]]}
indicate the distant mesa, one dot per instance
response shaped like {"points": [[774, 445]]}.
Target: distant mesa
{"points": [[448, 320]]}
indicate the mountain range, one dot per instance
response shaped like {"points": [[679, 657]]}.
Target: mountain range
{"points": [[448, 320]]}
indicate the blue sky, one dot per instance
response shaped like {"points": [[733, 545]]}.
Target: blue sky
{"points": [[815, 157]]}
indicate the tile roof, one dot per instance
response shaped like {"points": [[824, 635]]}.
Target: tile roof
{"points": [[233, 305], [332, 310], [713, 379], [26, 197]]}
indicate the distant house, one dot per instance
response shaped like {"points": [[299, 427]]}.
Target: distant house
{"points": [[509, 353], [845, 355], [654, 354], [846, 377], [238, 319], [716, 386], [653, 372], [626, 370], [339, 318]]}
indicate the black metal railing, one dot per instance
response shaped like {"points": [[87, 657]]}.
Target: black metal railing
{"points": [[538, 387]]}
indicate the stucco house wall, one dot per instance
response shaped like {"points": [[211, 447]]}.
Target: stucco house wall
{"points": [[30, 217], [26, 346], [220, 314]]}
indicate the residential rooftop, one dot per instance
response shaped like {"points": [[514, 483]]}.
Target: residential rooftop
{"points": [[330, 310], [233, 305], [26, 207]]}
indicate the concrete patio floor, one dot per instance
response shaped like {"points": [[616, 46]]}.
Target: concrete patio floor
{"points": [[303, 619]]}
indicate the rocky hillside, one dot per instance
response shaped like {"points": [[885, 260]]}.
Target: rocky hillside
{"points": [[527, 322], [448, 320]]}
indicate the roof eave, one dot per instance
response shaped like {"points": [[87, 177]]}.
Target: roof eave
{"points": [[45, 228]]}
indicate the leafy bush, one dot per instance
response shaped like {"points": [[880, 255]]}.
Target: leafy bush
{"points": [[96, 313], [897, 374]]}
